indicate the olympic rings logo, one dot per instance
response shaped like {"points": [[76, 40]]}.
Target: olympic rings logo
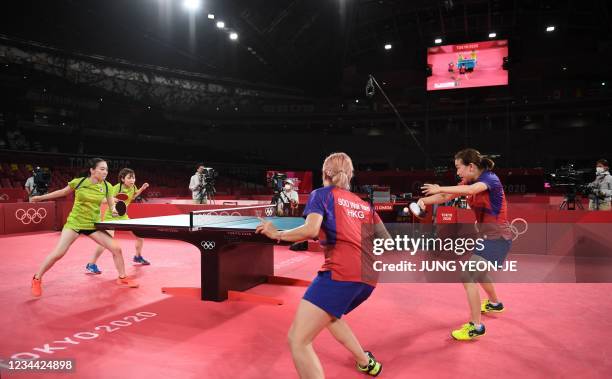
{"points": [[30, 215], [269, 211], [222, 213], [518, 227], [516, 230], [207, 245]]}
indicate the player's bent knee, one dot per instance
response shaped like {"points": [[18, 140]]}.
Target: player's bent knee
{"points": [[468, 276], [59, 255], [116, 250], [296, 339], [293, 339]]}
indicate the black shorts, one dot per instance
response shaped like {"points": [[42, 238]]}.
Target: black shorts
{"points": [[85, 232], [88, 232]]}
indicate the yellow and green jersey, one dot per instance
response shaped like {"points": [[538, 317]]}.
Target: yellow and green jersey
{"points": [[87, 199], [115, 190]]}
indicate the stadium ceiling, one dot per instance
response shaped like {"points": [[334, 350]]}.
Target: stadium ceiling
{"points": [[302, 43]]}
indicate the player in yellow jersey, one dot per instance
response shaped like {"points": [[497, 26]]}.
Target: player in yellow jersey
{"points": [[89, 191], [126, 185]]}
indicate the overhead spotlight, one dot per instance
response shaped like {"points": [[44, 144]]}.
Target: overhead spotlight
{"points": [[192, 5], [492, 35], [388, 46], [564, 68], [550, 28], [233, 36], [357, 101], [603, 83], [220, 24], [438, 41], [211, 16]]}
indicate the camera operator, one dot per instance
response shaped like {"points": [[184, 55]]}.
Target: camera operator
{"points": [[601, 188], [197, 185], [29, 187], [38, 183], [288, 200]]}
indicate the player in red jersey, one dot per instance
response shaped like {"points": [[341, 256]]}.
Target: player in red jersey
{"points": [[340, 220], [486, 198]]}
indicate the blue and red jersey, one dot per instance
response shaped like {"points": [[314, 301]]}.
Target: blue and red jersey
{"points": [[346, 233], [490, 208]]}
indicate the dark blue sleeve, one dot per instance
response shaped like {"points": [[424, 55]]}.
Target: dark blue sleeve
{"points": [[489, 180], [316, 203]]}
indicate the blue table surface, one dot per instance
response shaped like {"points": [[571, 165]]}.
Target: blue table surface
{"points": [[216, 222]]}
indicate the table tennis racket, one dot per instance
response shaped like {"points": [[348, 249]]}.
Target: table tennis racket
{"points": [[417, 211], [121, 207]]}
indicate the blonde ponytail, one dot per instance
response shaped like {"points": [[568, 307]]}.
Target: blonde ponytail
{"points": [[338, 169]]}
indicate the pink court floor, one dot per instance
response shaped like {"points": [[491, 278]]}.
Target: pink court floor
{"points": [[548, 330]]}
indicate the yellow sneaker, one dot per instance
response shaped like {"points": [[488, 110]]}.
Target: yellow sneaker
{"points": [[468, 332], [374, 367], [487, 307]]}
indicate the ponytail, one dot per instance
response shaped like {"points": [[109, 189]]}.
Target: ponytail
{"points": [[338, 169], [487, 163], [341, 180]]}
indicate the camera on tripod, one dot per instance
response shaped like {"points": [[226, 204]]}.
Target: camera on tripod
{"points": [[277, 181], [286, 202], [207, 188], [42, 180], [572, 181], [208, 177]]}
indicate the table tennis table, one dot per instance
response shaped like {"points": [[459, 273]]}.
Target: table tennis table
{"points": [[233, 256], [469, 64]]}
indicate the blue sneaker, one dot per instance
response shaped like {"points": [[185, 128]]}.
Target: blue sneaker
{"points": [[140, 259], [92, 268]]}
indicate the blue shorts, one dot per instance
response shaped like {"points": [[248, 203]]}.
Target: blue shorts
{"points": [[495, 251], [336, 297]]}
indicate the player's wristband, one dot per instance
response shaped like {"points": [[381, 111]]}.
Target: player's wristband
{"points": [[280, 237]]}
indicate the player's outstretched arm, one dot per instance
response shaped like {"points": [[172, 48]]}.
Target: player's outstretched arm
{"points": [[52, 195], [309, 230]]}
